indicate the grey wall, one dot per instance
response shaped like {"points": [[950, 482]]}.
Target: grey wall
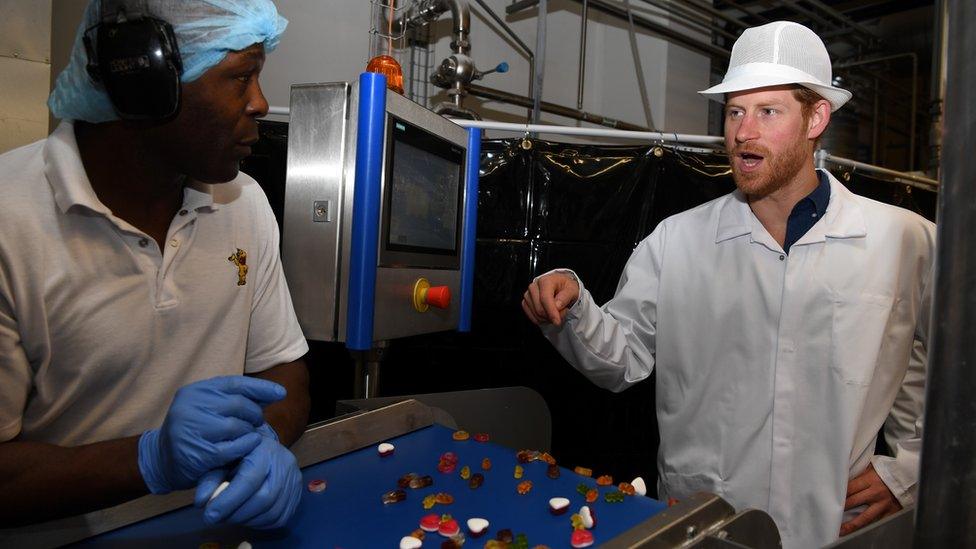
{"points": [[329, 41], [25, 69]]}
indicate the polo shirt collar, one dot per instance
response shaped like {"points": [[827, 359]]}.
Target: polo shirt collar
{"points": [[844, 218], [66, 174]]}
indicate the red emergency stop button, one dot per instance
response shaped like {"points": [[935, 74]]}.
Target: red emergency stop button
{"points": [[439, 296]]}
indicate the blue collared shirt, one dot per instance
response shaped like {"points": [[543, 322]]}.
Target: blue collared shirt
{"points": [[807, 212]]}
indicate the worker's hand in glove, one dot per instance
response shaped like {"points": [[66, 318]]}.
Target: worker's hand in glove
{"points": [[549, 297], [210, 424], [264, 489], [868, 489]]}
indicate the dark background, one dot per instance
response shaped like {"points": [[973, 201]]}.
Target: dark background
{"points": [[543, 205]]}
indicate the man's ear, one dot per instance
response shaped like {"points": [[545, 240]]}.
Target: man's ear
{"points": [[819, 119]]}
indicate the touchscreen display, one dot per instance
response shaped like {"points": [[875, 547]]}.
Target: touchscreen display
{"points": [[425, 177]]}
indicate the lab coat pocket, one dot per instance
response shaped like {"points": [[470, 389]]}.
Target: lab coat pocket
{"points": [[679, 486], [858, 331]]}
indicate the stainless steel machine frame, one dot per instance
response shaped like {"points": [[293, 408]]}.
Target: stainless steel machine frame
{"points": [[318, 224]]}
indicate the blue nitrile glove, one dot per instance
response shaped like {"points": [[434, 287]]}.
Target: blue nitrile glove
{"points": [[209, 424], [264, 490]]}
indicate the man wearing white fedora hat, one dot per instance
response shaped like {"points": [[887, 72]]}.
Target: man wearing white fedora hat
{"points": [[787, 321]]}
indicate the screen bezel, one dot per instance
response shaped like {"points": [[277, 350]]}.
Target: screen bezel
{"points": [[401, 255]]}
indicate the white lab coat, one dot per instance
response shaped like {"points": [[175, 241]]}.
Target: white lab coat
{"points": [[775, 372]]}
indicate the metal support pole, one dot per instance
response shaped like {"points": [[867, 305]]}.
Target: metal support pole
{"points": [[639, 67], [937, 89], [584, 16], [540, 59], [946, 513]]}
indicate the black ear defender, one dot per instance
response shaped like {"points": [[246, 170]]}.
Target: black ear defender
{"points": [[136, 58]]}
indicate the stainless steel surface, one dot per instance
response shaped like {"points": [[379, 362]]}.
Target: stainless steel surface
{"points": [[947, 486], [318, 222], [892, 532], [677, 525], [751, 528], [516, 417], [319, 443], [540, 59], [317, 144], [395, 316]]}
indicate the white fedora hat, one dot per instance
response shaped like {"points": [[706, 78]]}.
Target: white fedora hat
{"points": [[779, 53]]}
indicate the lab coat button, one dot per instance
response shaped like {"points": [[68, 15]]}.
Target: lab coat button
{"points": [[143, 242], [782, 257]]}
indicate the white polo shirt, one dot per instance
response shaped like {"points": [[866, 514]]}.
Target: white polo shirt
{"points": [[99, 327]]}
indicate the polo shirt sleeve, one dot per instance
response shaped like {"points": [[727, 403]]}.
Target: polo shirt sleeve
{"points": [[274, 336], [15, 371]]}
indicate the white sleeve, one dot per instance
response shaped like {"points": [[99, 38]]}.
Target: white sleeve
{"points": [[16, 379], [614, 345], [274, 335], [903, 428]]}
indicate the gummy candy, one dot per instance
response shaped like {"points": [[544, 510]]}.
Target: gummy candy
{"points": [[524, 487], [613, 497], [591, 495], [476, 481], [626, 488], [581, 538], [444, 498], [582, 489], [394, 496], [521, 542], [525, 456], [429, 501], [583, 471], [552, 471], [465, 472], [481, 437], [604, 480], [404, 481], [519, 471], [421, 482], [577, 521], [317, 485], [547, 458], [461, 435], [505, 536], [486, 464]]}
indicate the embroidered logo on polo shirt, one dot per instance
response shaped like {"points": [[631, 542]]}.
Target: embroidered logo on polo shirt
{"points": [[239, 258]]}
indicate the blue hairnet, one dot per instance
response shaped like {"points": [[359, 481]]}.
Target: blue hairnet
{"points": [[206, 30]]}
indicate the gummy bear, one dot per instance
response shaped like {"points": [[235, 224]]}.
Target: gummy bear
{"points": [[524, 487], [465, 472], [476, 481], [394, 496], [486, 464], [421, 482], [591, 495], [583, 471], [604, 480], [519, 471]]}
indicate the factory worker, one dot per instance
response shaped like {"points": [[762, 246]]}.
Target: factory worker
{"points": [[147, 338], [786, 321]]}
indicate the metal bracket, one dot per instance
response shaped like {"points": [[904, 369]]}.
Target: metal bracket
{"points": [[322, 211]]}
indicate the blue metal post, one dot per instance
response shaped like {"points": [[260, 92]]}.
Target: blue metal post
{"points": [[370, 132], [473, 168]]}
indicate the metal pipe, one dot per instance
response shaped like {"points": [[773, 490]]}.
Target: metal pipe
{"points": [[914, 107], [716, 13], [540, 51], [946, 512], [639, 67], [938, 86], [907, 178], [508, 30], [845, 19], [584, 16], [592, 132], [425, 11], [552, 108], [669, 34], [689, 18]]}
